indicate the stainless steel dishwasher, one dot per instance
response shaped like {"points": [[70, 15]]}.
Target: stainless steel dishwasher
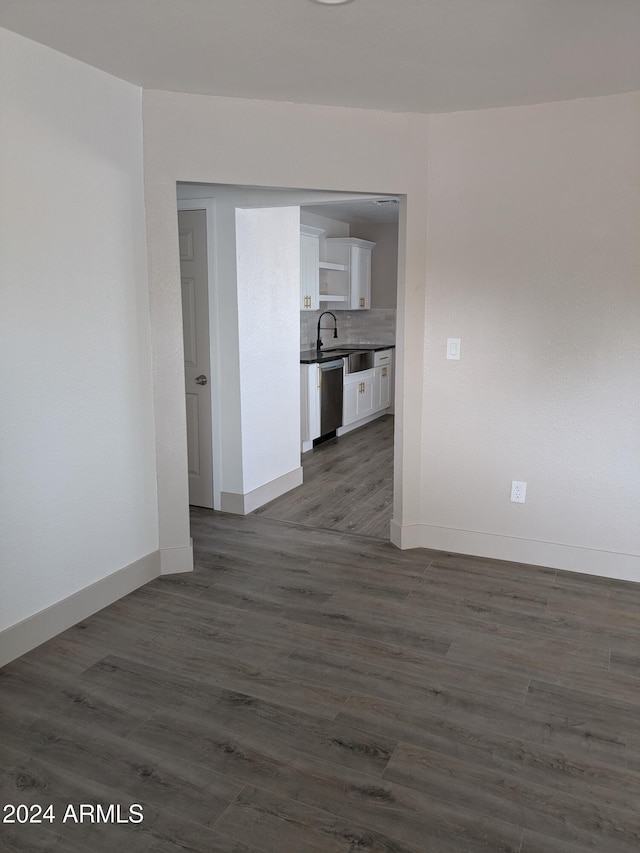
{"points": [[330, 396]]}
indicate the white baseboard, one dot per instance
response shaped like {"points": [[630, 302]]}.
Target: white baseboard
{"points": [[407, 536], [244, 504], [357, 424], [176, 560], [20, 638], [552, 555]]}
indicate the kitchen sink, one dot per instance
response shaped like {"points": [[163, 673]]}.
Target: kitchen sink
{"points": [[337, 353], [356, 359], [359, 360]]}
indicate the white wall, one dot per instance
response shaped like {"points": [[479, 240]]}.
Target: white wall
{"points": [[534, 262], [268, 266], [78, 487], [210, 140], [530, 256]]}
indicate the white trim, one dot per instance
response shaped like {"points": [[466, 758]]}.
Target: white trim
{"points": [[243, 504], [554, 555], [407, 536], [209, 207], [311, 231], [176, 560], [357, 424], [20, 638]]}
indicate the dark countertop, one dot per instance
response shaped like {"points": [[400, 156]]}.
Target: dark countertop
{"points": [[311, 356]]}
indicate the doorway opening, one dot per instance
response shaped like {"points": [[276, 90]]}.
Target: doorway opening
{"points": [[364, 485]]}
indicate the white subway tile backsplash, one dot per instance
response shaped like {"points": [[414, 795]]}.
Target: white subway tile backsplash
{"points": [[374, 326]]}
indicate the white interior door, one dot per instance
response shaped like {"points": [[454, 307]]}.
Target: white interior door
{"points": [[192, 229]]}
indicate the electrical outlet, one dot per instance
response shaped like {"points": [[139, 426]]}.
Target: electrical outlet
{"points": [[518, 491]]}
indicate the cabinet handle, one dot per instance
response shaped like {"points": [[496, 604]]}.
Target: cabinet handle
{"points": [[384, 371], [319, 375], [362, 301]]}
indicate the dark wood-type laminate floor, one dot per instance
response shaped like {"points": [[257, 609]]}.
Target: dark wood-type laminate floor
{"points": [[348, 484], [315, 690]]}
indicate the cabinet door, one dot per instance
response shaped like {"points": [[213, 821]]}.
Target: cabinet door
{"points": [[309, 402], [365, 397], [351, 393], [358, 397], [309, 272], [382, 388], [360, 278], [314, 401]]}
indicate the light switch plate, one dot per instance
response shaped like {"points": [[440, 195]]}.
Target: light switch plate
{"points": [[453, 348]]}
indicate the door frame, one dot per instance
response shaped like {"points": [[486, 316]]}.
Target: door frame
{"points": [[213, 362]]}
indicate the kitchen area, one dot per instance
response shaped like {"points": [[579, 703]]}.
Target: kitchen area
{"points": [[342, 389], [347, 317], [257, 388], [348, 285]]}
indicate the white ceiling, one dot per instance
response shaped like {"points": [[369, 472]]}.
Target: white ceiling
{"points": [[355, 211], [415, 55]]}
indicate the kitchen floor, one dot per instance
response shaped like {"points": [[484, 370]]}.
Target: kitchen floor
{"points": [[348, 484]]}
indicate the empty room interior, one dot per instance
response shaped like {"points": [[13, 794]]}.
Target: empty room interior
{"points": [[320, 434]]}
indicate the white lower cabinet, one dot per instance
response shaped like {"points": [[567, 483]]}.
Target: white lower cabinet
{"points": [[383, 379], [309, 405], [366, 395], [358, 400], [381, 387], [350, 403]]}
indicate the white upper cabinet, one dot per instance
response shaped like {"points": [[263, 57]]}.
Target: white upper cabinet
{"points": [[309, 267], [345, 277]]}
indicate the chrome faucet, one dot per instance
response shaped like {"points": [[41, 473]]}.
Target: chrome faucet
{"points": [[335, 328]]}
